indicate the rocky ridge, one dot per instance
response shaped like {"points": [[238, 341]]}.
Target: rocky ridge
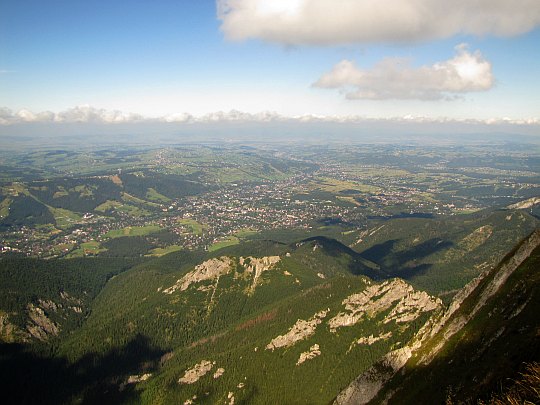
{"points": [[438, 330], [301, 330], [313, 352], [199, 370], [531, 202], [369, 340], [380, 297]]}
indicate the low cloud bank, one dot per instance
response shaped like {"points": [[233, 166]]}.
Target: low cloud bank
{"points": [[91, 115]]}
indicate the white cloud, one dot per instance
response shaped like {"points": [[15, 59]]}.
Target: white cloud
{"points": [[329, 22], [178, 117], [239, 116], [395, 78], [87, 113]]}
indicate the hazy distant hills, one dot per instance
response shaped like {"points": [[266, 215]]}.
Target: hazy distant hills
{"points": [[310, 130]]}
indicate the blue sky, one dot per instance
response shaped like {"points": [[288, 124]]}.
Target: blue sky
{"points": [[158, 58]]}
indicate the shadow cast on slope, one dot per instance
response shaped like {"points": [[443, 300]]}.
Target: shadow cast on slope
{"points": [[380, 252], [30, 378], [423, 250], [405, 263], [358, 265]]}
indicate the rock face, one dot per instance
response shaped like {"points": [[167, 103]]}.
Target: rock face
{"points": [[369, 340], [219, 372], [531, 202], [214, 268], [197, 371], [48, 305], [301, 330], [380, 297], [311, 354], [257, 266], [40, 326], [208, 270], [6, 328], [407, 305], [477, 238], [412, 306], [134, 379], [69, 299], [368, 384], [438, 330]]}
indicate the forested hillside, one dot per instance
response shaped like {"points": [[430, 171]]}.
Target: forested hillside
{"points": [[40, 300], [241, 315]]}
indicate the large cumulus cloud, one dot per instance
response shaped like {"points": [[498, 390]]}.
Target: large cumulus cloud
{"points": [[330, 22]]}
